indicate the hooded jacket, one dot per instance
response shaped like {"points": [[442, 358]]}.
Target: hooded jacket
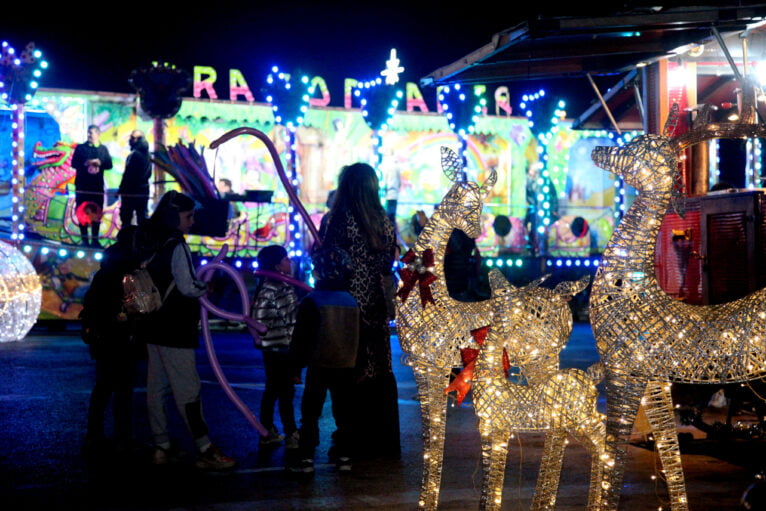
{"points": [[138, 170]]}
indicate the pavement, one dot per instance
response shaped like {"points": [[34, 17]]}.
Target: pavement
{"points": [[45, 382]]}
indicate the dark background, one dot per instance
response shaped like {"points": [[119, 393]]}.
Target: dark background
{"points": [[94, 47]]}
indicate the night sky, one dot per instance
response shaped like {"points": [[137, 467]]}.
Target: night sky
{"points": [[91, 49], [95, 51]]}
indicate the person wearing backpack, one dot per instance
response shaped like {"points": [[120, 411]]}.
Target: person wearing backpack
{"points": [[112, 343], [172, 333]]}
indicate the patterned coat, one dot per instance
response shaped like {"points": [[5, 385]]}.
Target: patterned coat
{"points": [[370, 266]]}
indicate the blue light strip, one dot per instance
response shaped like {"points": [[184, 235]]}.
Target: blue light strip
{"points": [[557, 262], [576, 262]]}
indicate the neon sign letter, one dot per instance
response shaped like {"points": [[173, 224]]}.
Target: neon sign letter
{"points": [[348, 86], [205, 83], [237, 86], [415, 98], [318, 82]]}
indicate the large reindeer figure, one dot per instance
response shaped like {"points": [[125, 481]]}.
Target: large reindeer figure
{"points": [[432, 327], [552, 401], [646, 338]]}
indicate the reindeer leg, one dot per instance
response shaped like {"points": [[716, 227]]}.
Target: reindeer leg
{"points": [[593, 439], [623, 395], [494, 454], [659, 412], [433, 410], [547, 485]]}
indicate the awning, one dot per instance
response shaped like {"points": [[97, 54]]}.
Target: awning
{"points": [[610, 48]]}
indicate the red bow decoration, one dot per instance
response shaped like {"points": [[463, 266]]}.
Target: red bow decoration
{"points": [[462, 382], [416, 271]]}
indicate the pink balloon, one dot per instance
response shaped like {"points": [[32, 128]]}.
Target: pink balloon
{"points": [[256, 328], [294, 200]]}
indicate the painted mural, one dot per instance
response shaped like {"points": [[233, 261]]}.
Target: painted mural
{"points": [[330, 137]]}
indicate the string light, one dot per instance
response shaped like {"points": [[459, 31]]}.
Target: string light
{"points": [[20, 294], [530, 326], [290, 104], [19, 80], [463, 107], [379, 101], [432, 334]]}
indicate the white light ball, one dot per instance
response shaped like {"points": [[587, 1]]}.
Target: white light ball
{"points": [[20, 294]]}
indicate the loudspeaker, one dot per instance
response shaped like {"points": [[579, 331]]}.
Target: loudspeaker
{"points": [[212, 219]]}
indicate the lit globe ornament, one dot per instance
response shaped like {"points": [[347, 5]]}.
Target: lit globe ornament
{"points": [[20, 294]]}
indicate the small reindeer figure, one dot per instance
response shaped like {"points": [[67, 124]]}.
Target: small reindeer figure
{"points": [[553, 401]]}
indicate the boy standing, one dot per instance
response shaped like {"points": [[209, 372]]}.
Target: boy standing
{"points": [[325, 339], [274, 305]]}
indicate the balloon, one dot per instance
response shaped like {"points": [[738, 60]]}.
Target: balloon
{"points": [[294, 200], [256, 328]]}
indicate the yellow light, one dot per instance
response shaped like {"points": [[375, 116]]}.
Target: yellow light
{"points": [[637, 325], [20, 294]]}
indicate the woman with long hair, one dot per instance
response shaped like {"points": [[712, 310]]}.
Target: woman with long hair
{"points": [[358, 224]]}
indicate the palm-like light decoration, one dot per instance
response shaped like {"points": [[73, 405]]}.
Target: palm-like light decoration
{"points": [[160, 87], [290, 101], [19, 80]]}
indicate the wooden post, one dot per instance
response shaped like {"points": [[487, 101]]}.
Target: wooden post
{"points": [[159, 174]]}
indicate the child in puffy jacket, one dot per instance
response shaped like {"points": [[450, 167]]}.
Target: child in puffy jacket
{"points": [[274, 304]]}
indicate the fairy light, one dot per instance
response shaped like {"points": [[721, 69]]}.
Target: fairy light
{"points": [[19, 80], [431, 334], [20, 293], [530, 327], [637, 325], [379, 100], [290, 103], [536, 107], [463, 107]]}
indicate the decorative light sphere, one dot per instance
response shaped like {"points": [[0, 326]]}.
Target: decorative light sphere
{"points": [[20, 294]]}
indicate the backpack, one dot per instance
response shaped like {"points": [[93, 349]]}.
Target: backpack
{"points": [[139, 293]]}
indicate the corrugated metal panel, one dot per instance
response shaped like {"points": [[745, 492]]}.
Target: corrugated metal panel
{"points": [[678, 267], [727, 253]]}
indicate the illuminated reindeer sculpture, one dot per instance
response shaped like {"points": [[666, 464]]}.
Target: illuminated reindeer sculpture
{"points": [[645, 337], [432, 327], [553, 401]]}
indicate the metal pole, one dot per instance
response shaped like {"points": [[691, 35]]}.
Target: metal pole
{"points": [[159, 174], [725, 51], [603, 104], [639, 103]]}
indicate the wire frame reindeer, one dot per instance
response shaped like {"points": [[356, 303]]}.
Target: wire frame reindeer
{"points": [[645, 337], [432, 327], [557, 402]]}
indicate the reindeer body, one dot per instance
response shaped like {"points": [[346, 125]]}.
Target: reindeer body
{"points": [[537, 324], [432, 334], [647, 338], [554, 401]]}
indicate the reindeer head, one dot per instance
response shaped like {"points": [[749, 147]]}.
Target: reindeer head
{"points": [[534, 322], [647, 163], [650, 162], [462, 204]]}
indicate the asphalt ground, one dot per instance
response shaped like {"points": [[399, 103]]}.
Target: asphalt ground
{"points": [[46, 381]]}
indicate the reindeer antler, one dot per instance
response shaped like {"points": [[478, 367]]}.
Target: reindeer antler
{"points": [[748, 127], [672, 122], [489, 183], [452, 165]]}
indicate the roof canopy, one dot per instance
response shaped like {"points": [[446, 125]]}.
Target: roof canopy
{"points": [[615, 44]]}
